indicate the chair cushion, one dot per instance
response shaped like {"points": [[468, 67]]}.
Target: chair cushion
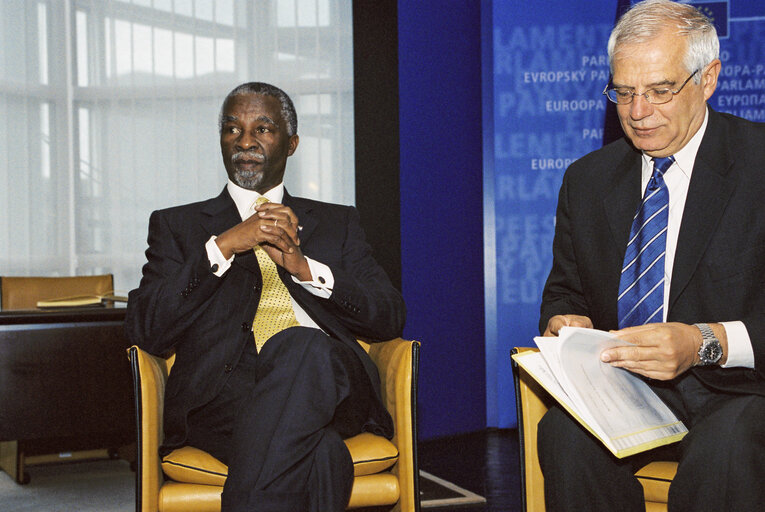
{"points": [[194, 466], [371, 454]]}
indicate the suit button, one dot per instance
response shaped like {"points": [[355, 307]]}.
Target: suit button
{"points": [[228, 368], [246, 327]]}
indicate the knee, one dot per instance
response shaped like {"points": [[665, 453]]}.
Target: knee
{"points": [[296, 342], [558, 435], [557, 430], [740, 451], [722, 456], [733, 435]]}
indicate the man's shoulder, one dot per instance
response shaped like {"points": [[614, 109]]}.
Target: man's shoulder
{"points": [[600, 162], [212, 204], [323, 207], [740, 127], [616, 150], [737, 120]]}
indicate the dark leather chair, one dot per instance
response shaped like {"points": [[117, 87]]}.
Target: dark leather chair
{"points": [[191, 480]]}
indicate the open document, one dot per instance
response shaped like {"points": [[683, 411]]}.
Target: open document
{"points": [[615, 405]]}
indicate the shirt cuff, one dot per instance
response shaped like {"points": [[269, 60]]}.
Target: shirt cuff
{"points": [[323, 281], [218, 263], [740, 353]]}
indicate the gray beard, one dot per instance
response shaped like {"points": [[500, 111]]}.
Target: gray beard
{"points": [[250, 180]]}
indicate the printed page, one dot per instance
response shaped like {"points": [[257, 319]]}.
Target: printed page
{"points": [[621, 404], [550, 348], [535, 364]]}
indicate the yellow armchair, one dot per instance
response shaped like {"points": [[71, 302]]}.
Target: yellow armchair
{"points": [[532, 401], [191, 480]]}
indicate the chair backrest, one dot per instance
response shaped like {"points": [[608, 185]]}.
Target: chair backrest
{"points": [[401, 359], [24, 292], [149, 378]]}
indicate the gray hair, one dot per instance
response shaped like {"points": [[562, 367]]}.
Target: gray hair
{"points": [[288, 109], [647, 19]]}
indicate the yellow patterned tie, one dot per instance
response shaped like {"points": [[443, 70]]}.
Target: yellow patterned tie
{"points": [[275, 307]]}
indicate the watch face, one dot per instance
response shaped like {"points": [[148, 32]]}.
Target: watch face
{"points": [[711, 353]]}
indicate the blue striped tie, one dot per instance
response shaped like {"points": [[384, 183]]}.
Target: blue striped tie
{"points": [[641, 288]]}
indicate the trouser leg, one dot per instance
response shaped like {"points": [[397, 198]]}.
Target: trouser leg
{"points": [[723, 458], [580, 473], [287, 449]]}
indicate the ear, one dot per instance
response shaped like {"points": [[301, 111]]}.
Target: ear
{"points": [[292, 145], [709, 78]]}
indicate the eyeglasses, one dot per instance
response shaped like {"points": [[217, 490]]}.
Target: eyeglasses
{"points": [[622, 96]]}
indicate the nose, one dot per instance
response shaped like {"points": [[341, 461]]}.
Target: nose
{"points": [[640, 108], [246, 141]]}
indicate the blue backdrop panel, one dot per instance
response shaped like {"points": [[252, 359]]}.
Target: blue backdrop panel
{"points": [[549, 67], [741, 87], [441, 225]]}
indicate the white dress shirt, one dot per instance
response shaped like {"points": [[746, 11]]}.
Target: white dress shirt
{"points": [[322, 281], [678, 179]]}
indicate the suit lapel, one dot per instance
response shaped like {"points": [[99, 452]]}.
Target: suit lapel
{"points": [[708, 194], [306, 219], [219, 214], [622, 203]]}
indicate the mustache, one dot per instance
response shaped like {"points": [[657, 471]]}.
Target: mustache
{"points": [[250, 154]]}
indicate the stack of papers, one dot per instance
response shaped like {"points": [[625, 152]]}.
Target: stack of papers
{"points": [[615, 405]]}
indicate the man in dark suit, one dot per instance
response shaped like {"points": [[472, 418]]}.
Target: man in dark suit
{"points": [[701, 342], [272, 399]]}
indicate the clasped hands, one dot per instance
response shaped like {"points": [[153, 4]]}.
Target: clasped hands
{"points": [[661, 351], [274, 227]]}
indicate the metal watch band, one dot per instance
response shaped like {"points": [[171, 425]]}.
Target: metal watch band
{"points": [[710, 351]]}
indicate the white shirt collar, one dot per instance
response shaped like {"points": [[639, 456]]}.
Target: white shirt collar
{"points": [[687, 155], [245, 199]]}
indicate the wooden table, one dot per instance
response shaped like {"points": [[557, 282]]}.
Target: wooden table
{"points": [[65, 385]]}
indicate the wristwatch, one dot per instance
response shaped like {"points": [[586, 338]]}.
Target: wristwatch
{"points": [[710, 351]]}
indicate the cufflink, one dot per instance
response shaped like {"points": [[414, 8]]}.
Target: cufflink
{"points": [[322, 280], [214, 268]]}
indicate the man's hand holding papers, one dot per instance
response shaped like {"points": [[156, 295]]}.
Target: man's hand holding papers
{"points": [[616, 406]]}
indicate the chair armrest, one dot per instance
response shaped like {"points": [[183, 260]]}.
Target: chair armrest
{"points": [[532, 402], [397, 362], [149, 378]]}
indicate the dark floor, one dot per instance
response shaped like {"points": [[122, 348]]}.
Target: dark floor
{"points": [[485, 463]]}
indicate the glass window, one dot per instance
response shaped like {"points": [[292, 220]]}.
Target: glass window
{"points": [[88, 151]]}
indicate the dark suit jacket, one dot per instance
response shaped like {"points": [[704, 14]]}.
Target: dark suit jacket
{"points": [[719, 268], [206, 320]]}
